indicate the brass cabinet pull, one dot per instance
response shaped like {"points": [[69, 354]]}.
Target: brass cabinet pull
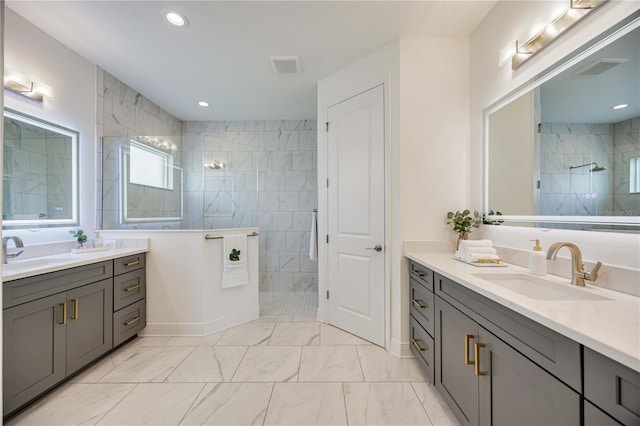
{"points": [[134, 263], [419, 304], [418, 273], [477, 347], [133, 287], [131, 321], [76, 303], [467, 337], [64, 314], [417, 345]]}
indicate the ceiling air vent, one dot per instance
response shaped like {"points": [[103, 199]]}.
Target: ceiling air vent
{"points": [[286, 64], [600, 66]]}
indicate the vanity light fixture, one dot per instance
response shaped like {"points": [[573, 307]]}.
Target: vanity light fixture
{"points": [[203, 104], [620, 106], [22, 84], [215, 165], [175, 18], [557, 21]]}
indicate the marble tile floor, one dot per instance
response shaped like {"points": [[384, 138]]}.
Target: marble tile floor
{"points": [[277, 370]]}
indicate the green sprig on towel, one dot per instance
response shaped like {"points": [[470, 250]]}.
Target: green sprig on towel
{"points": [[234, 256]]}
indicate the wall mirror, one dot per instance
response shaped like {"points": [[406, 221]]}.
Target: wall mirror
{"points": [[40, 179], [564, 150]]}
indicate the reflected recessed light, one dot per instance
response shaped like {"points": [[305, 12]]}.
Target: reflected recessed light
{"points": [[175, 18], [620, 106], [203, 104]]}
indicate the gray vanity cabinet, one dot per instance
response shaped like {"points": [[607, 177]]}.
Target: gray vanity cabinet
{"points": [[89, 324], [34, 349], [487, 382], [454, 378], [515, 391], [56, 323]]}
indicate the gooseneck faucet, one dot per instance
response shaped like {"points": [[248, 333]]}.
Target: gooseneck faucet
{"points": [[578, 274], [17, 241]]}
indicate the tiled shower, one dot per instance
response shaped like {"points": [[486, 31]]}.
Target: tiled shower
{"points": [[579, 191], [265, 176]]}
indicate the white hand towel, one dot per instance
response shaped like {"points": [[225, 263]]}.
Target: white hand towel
{"points": [[478, 250], [234, 273], [476, 243], [313, 238]]}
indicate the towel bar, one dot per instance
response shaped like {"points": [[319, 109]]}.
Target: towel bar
{"points": [[209, 237]]}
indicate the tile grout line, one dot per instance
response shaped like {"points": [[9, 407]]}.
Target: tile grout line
{"points": [[117, 403], [266, 410], [179, 364], [204, 385], [421, 403]]}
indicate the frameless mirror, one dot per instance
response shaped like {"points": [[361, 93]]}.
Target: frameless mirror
{"points": [[40, 178], [565, 149]]}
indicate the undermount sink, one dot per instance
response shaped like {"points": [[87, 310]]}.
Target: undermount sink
{"points": [[24, 265], [538, 288]]}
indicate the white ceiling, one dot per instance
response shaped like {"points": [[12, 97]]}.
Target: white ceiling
{"points": [[223, 56], [570, 98]]}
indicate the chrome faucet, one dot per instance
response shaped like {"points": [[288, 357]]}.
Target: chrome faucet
{"points": [[17, 241], [578, 274]]}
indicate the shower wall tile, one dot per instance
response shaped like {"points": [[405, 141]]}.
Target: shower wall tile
{"points": [[270, 179]]}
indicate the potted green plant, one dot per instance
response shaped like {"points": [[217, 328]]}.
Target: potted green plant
{"points": [[486, 221], [463, 223], [80, 236]]}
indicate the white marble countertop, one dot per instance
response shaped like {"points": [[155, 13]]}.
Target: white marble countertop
{"points": [[57, 262], [610, 327]]}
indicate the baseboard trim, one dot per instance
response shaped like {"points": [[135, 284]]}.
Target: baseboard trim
{"points": [[199, 329], [399, 349]]}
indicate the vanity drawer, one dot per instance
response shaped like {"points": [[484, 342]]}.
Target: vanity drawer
{"points": [[27, 289], [128, 321], [422, 274], [612, 387], [128, 288], [552, 351], [422, 305], [129, 263], [422, 346]]}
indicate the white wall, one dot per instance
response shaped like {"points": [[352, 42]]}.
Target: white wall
{"points": [[73, 78], [489, 82], [184, 275], [428, 110], [1, 144]]}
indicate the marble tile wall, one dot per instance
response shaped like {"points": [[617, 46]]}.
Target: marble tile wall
{"points": [[626, 146], [125, 114], [576, 192], [269, 180]]}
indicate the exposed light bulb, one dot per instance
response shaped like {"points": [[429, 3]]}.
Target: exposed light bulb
{"points": [[203, 103], [620, 106], [175, 18]]}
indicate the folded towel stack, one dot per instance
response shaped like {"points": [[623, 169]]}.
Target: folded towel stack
{"points": [[476, 251]]}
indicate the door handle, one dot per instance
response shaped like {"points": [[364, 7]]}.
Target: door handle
{"points": [[63, 321], [477, 347], [467, 337], [377, 248], [75, 309]]}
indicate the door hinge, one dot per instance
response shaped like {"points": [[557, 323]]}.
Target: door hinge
{"points": [[327, 183], [539, 127], [327, 294], [327, 238], [538, 184], [327, 126]]}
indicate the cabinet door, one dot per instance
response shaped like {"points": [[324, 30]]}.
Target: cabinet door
{"points": [[89, 323], [455, 378], [33, 350], [515, 391]]}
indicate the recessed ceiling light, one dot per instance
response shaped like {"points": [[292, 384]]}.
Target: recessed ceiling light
{"points": [[203, 104], [175, 18], [620, 106]]}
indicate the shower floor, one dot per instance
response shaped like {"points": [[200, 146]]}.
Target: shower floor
{"points": [[288, 303]]}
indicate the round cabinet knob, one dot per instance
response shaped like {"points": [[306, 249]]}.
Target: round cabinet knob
{"points": [[377, 248]]}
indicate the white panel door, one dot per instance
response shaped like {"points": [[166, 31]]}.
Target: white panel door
{"points": [[355, 215]]}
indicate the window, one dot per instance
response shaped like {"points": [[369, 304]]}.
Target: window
{"points": [[149, 166]]}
